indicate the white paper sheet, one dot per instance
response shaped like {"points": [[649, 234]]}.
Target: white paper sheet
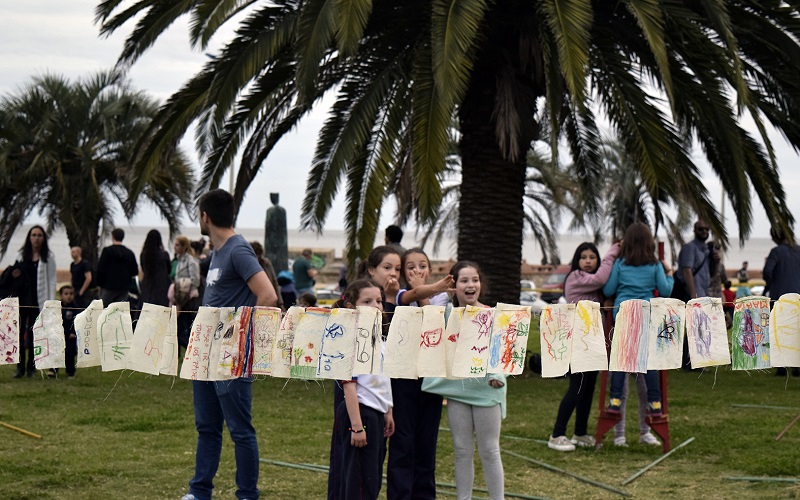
{"points": [[282, 349], [147, 344], [48, 337], [588, 339], [472, 347], [115, 331], [509, 341], [402, 343], [784, 346], [706, 332], [338, 348], [667, 327], [307, 342], [555, 333], [88, 335], [9, 331], [629, 345]]}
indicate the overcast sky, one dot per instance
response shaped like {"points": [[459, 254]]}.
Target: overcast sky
{"points": [[59, 36]]}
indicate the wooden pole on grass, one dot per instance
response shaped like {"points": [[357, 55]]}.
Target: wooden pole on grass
{"points": [[787, 428], [657, 461], [22, 431]]}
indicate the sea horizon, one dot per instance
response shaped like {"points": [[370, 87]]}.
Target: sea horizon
{"points": [[755, 250]]}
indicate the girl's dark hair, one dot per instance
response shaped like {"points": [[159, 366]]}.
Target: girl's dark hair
{"points": [[353, 290], [408, 252], [151, 251], [458, 267], [374, 259], [27, 248], [638, 246]]}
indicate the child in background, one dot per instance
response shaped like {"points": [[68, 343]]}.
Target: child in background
{"points": [[69, 309], [743, 290], [383, 265], [416, 269], [584, 282], [363, 420], [412, 450], [307, 300], [476, 406], [635, 275], [729, 301]]}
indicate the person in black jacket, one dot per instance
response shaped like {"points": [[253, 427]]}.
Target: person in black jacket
{"points": [[115, 269]]}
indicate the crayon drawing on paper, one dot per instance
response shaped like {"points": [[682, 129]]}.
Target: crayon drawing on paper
{"points": [[588, 339], [629, 344], [555, 334], [750, 334], [784, 348], [667, 324], [707, 333], [9, 331], [509, 340], [472, 347]]}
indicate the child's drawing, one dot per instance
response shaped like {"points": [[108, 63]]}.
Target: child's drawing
{"points": [[196, 358], [472, 347], [706, 332], [630, 342], [9, 331], [369, 342], [784, 347], [87, 335], [556, 330], [750, 334], [588, 340], [451, 337], [307, 342], [169, 355], [402, 343], [432, 358], [509, 341], [266, 321], [115, 332], [667, 324], [338, 349], [147, 344], [282, 348], [235, 345], [48, 337]]}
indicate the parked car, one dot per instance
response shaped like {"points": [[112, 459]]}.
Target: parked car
{"points": [[532, 300], [553, 287], [326, 297], [527, 285]]}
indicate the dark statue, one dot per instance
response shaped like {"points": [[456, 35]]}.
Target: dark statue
{"points": [[276, 239]]}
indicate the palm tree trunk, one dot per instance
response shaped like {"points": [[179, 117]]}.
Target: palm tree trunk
{"points": [[490, 211]]}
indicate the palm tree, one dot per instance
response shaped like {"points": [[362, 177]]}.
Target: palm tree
{"points": [[665, 75], [624, 198], [66, 151]]}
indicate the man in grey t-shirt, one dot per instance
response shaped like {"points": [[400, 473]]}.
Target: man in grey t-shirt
{"points": [[235, 278]]}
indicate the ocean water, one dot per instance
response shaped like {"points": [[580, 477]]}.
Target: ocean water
{"points": [[755, 250]]}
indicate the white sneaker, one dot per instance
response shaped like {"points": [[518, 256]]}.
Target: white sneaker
{"points": [[188, 496], [561, 443], [648, 438], [620, 441], [585, 441]]}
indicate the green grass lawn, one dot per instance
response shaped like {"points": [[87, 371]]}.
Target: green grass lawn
{"points": [[128, 435]]}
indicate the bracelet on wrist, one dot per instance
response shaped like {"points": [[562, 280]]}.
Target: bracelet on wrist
{"points": [[354, 431]]}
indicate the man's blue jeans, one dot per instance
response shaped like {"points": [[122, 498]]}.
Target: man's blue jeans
{"points": [[226, 401]]}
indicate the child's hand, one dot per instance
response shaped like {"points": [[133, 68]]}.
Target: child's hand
{"points": [[391, 288], [416, 277], [358, 439], [496, 383], [73, 336], [446, 284], [388, 424]]}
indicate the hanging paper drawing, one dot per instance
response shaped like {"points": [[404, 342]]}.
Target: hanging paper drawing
{"points": [[432, 358], [147, 344], [472, 347], [588, 340], [169, 355], [509, 339], [451, 337], [235, 345], [555, 328], [402, 343], [338, 347], [629, 344], [88, 334], [48, 337], [282, 348], [750, 334], [784, 345], [307, 340], [667, 324], [369, 342], [202, 358], [706, 332], [9, 330], [115, 332], [266, 321]]}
